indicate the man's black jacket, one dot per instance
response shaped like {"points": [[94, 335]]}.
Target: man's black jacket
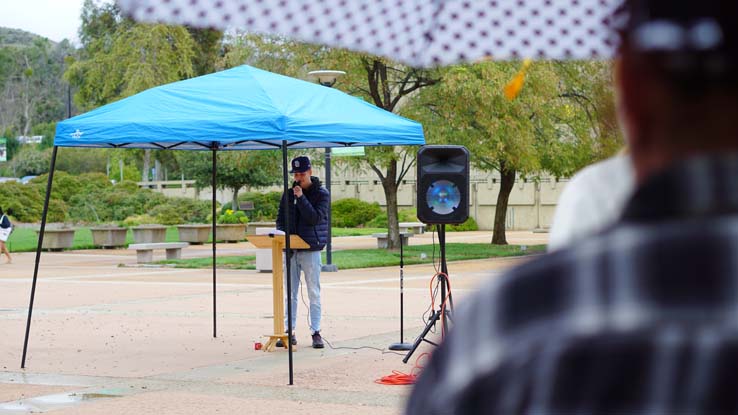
{"points": [[309, 216]]}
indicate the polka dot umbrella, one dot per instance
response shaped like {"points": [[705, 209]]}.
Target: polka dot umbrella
{"points": [[420, 33]]}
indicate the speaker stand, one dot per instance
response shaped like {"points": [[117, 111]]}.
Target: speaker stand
{"points": [[442, 313]]}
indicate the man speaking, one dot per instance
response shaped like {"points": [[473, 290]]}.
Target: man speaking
{"points": [[309, 202]]}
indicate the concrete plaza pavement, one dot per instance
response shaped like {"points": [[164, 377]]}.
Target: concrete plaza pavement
{"points": [[111, 337]]}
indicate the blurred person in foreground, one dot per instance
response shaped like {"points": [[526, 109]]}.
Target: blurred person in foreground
{"points": [[592, 201], [640, 318]]}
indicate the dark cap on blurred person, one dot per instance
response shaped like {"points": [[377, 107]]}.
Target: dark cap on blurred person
{"points": [[300, 164], [692, 39]]}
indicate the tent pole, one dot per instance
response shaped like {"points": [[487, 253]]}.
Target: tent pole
{"points": [[215, 166], [329, 266], [288, 257], [38, 252]]}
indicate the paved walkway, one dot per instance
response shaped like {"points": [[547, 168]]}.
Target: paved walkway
{"points": [[108, 339]]}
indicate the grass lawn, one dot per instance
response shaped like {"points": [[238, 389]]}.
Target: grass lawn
{"points": [[357, 231], [368, 258], [25, 240]]}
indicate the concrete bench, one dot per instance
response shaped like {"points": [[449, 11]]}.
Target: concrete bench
{"points": [[145, 254], [416, 228], [382, 239]]}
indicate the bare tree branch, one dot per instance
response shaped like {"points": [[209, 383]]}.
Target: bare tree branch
{"points": [[405, 169]]}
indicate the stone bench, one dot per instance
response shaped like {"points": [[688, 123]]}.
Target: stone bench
{"points": [[382, 239], [416, 228], [145, 254]]}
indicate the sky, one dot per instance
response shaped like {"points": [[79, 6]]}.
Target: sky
{"points": [[54, 19]]}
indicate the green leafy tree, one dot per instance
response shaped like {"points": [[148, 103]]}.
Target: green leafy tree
{"points": [[121, 58], [208, 45], [557, 124], [30, 82], [389, 85], [235, 169], [30, 161], [384, 83], [47, 130], [81, 160], [123, 158]]}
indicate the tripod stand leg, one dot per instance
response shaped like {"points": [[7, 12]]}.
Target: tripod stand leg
{"points": [[436, 315]]}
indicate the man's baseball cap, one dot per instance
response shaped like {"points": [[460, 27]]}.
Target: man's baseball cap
{"points": [[695, 37], [300, 164]]}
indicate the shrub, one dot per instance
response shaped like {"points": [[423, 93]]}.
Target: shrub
{"points": [[30, 161], [266, 205], [179, 210], [127, 186], [64, 187], [403, 215], [231, 217], [112, 203], [191, 210], [94, 181], [167, 214], [350, 213], [25, 203], [137, 220], [469, 225]]}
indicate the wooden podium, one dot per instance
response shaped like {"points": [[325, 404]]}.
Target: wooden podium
{"points": [[277, 243]]}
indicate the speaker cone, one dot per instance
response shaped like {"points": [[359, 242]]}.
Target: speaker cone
{"points": [[443, 197]]}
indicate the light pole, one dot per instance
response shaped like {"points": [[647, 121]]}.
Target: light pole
{"points": [[328, 78]]}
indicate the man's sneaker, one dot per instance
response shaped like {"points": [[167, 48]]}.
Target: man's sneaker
{"points": [[280, 343], [317, 341]]}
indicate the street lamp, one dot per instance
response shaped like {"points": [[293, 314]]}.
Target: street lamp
{"points": [[328, 78]]}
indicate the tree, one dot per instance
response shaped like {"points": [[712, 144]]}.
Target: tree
{"points": [[30, 161], [383, 82], [30, 81], [47, 130], [235, 169], [121, 58], [389, 85], [207, 49], [554, 125]]}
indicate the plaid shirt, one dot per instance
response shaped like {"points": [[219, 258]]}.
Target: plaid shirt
{"points": [[641, 318]]}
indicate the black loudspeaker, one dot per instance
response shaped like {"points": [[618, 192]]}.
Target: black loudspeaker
{"points": [[443, 184]]}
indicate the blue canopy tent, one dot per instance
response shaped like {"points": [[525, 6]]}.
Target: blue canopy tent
{"points": [[243, 108]]}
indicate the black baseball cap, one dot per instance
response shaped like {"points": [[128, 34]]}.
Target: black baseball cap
{"points": [[694, 39], [300, 164]]}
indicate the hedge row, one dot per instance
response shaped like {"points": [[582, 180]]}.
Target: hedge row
{"points": [[92, 198]]}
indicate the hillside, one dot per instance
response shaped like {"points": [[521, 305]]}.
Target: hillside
{"points": [[17, 37]]}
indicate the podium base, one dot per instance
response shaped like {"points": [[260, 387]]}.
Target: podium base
{"points": [[272, 342]]}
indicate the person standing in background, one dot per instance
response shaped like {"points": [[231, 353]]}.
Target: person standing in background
{"points": [[5, 229], [309, 204]]}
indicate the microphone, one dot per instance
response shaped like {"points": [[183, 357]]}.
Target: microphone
{"points": [[294, 199]]}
